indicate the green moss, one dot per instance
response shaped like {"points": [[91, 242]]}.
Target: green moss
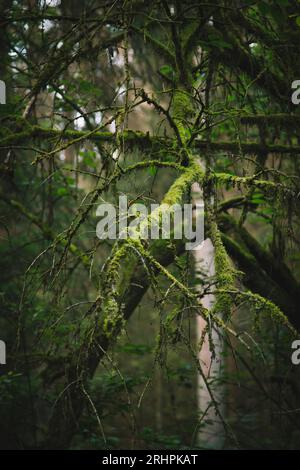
{"points": [[263, 305], [111, 310], [182, 110], [225, 274], [112, 272], [252, 181], [113, 319], [192, 174]]}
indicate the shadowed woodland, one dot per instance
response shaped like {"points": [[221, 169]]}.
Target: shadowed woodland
{"points": [[112, 344]]}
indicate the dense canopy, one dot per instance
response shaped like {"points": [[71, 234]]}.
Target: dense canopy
{"points": [[166, 102]]}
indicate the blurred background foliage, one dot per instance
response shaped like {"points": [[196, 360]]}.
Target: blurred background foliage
{"points": [[77, 66]]}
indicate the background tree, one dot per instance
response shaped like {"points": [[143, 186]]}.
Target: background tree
{"points": [[106, 98]]}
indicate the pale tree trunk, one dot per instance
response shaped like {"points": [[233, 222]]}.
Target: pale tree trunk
{"points": [[210, 435]]}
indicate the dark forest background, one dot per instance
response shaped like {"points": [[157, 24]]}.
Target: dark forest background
{"points": [[104, 338]]}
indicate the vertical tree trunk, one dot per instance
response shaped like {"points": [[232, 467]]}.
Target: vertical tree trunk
{"points": [[211, 434]]}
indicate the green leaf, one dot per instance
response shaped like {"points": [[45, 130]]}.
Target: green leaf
{"points": [[62, 191], [167, 71]]}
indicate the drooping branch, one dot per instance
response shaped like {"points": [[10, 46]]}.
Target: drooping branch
{"points": [[111, 312], [274, 267], [257, 280], [247, 147], [141, 139]]}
